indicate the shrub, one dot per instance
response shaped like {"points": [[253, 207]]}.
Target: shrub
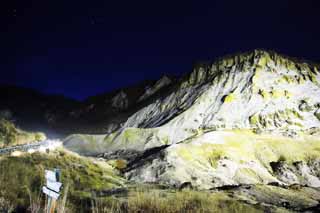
{"points": [[172, 201], [10, 135], [21, 178], [8, 132]]}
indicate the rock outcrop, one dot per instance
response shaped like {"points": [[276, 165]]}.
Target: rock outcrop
{"points": [[149, 91], [223, 124], [120, 101]]}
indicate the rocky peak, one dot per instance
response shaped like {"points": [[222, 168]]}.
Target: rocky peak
{"points": [[259, 90], [250, 61], [161, 83], [249, 118], [120, 101]]}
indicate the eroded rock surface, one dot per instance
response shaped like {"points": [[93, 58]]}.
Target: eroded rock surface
{"points": [[245, 119]]}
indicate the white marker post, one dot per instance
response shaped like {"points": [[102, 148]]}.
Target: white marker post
{"points": [[52, 188]]}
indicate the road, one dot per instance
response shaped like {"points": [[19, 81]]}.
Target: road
{"points": [[37, 146]]}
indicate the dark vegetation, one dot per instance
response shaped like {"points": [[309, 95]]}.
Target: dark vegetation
{"points": [[58, 116]]}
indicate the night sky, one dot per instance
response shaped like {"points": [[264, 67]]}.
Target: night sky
{"points": [[80, 48]]}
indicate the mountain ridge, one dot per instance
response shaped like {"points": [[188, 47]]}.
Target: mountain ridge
{"points": [[94, 110]]}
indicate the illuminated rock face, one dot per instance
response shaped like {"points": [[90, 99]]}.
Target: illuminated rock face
{"points": [[232, 157], [246, 91], [259, 91]]}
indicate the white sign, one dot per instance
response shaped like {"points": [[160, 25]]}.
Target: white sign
{"points": [[51, 175], [50, 193], [55, 186]]}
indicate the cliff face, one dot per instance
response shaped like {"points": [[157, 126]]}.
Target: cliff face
{"points": [[257, 90], [247, 118]]}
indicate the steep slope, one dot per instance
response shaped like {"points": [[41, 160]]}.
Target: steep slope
{"points": [[106, 112], [174, 139], [239, 92]]}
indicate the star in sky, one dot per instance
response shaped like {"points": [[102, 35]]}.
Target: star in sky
{"points": [[14, 12], [92, 21]]}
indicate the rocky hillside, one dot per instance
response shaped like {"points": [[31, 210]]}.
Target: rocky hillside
{"points": [[247, 118]]}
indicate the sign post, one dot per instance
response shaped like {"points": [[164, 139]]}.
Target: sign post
{"points": [[52, 188]]}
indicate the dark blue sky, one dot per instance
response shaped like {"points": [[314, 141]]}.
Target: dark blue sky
{"points": [[80, 48]]}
